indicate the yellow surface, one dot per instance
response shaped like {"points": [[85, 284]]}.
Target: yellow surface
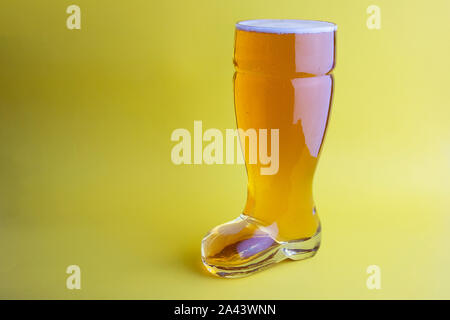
{"points": [[86, 176]]}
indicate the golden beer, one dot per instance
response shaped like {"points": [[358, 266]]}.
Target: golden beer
{"points": [[282, 81]]}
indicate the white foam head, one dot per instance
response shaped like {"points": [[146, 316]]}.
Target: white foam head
{"points": [[286, 26]]}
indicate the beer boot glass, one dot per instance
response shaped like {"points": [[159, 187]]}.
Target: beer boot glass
{"points": [[282, 81]]}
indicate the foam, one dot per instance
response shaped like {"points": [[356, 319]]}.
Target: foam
{"points": [[286, 26]]}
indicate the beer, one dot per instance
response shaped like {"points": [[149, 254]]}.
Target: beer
{"points": [[282, 81]]}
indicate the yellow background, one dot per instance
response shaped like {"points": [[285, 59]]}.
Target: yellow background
{"points": [[86, 176]]}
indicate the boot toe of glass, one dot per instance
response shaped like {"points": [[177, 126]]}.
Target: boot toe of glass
{"points": [[238, 247]]}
